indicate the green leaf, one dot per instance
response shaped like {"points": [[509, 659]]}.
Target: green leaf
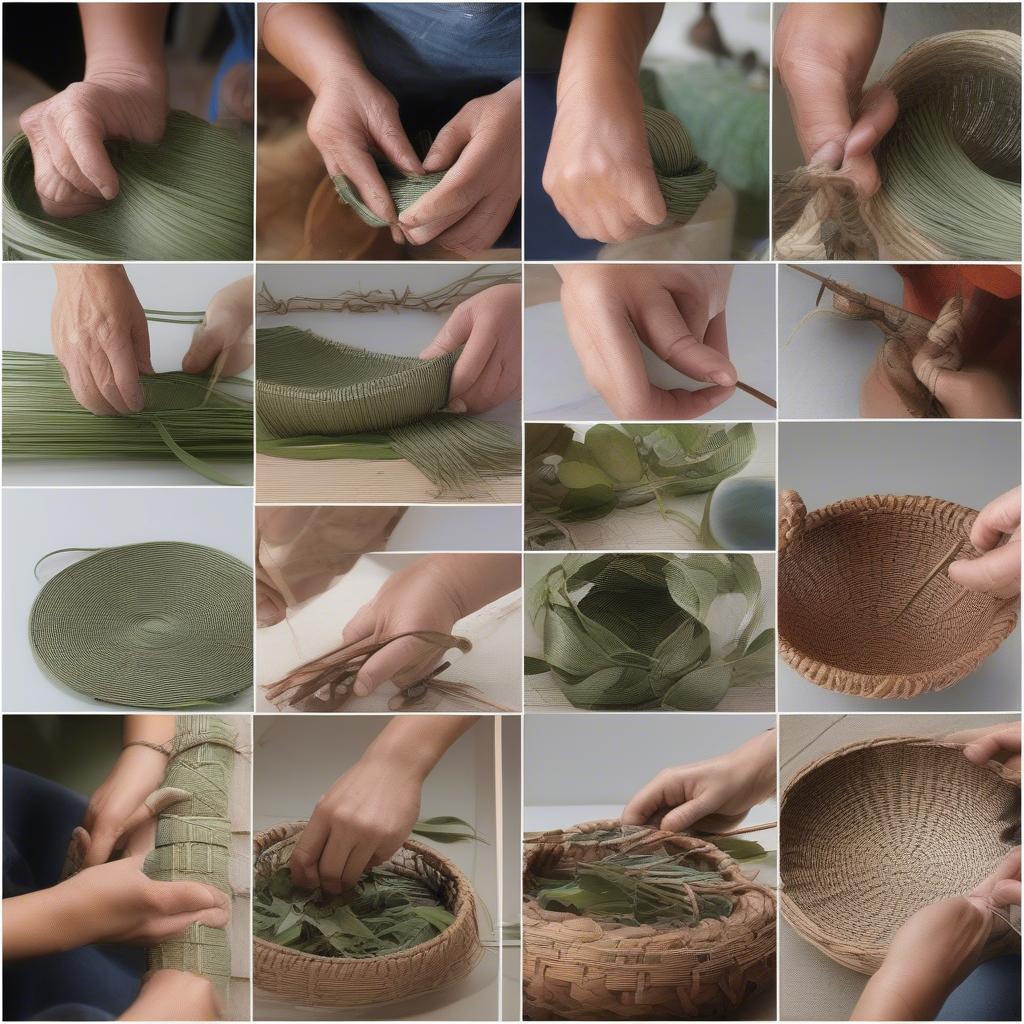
{"points": [[580, 475], [614, 452], [437, 917], [446, 829], [739, 849]]}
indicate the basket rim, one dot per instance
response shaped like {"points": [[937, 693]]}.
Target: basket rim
{"points": [[465, 905]]}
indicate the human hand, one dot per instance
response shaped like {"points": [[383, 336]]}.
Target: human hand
{"points": [[975, 393], [100, 336], [479, 151], [223, 343], [709, 796], [678, 312], [991, 743], [73, 172], [353, 116], [599, 172], [823, 53], [996, 534], [175, 995], [489, 325]]}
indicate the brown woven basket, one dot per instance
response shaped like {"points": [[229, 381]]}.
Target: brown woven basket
{"points": [[876, 830], [578, 968], [865, 604], [344, 982]]}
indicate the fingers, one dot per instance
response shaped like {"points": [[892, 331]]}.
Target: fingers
{"points": [[996, 572], [992, 744], [999, 518], [642, 808], [447, 145], [684, 817], [84, 138], [305, 858], [271, 607], [361, 169], [390, 662], [83, 387], [480, 228], [359, 861], [186, 903], [1006, 893], [103, 836], [126, 395], [877, 114], [211, 342], [336, 853], [392, 141], [462, 187]]}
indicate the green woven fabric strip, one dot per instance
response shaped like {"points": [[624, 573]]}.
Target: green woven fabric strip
{"points": [[684, 179], [404, 189], [43, 421], [162, 625], [629, 632], [189, 197], [201, 764]]}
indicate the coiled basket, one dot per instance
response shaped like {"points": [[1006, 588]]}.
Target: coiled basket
{"points": [[578, 968], [865, 604], [876, 830], [344, 982]]}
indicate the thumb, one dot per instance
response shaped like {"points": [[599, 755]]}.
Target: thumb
{"points": [[450, 142], [877, 114], [683, 818], [996, 572], [187, 903]]}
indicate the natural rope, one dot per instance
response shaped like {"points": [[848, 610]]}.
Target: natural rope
{"points": [[189, 197], [162, 624]]}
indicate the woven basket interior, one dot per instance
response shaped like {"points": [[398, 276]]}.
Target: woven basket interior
{"points": [[875, 833], [842, 588]]}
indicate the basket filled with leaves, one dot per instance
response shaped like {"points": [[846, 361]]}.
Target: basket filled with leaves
{"points": [[634, 923], [408, 928]]}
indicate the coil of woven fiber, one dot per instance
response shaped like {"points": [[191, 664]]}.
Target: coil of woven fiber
{"points": [[865, 605], [193, 841], [580, 968], [346, 982], [404, 190], [160, 624], [189, 197], [684, 179], [874, 831]]}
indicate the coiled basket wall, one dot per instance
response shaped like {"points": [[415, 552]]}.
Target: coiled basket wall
{"points": [[343, 982], [876, 830], [579, 968], [865, 605]]}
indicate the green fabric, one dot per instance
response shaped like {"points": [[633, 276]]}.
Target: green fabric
{"points": [[193, 840], [629, 632], [189, 197], [684, 179], [162, 624], [183, 418]]}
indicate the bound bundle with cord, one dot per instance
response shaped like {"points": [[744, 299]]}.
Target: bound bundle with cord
{"points": [[193, 841], [684, 179], [348, 981], [865, 604], [161, 625], [317, 399], [630, 923], [876, 830], [189, 197], [949, 167], [630, 632]]}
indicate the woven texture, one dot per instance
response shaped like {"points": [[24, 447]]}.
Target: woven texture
{"points": [[579, 968], [162, 625], [874, 831], [684, 179], [344, 982], [193, 840], [189, 197], [865, 604]]}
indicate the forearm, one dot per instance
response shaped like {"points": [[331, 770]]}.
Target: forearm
{"points": [[123, 34], [419, 742], [474, 580], [157, 729], [607, 39], [38, 923], [311, 41]]}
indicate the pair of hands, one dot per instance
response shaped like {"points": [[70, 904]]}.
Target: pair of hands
{"points": [[354, 115], [101, 337]]}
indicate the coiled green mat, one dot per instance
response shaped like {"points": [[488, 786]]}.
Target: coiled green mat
{"points": [[189, 197], [162, 624], [193, 841], [631, 632], [684, 179], [317, 399]]}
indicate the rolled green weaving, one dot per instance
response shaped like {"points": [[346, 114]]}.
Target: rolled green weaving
{"points": [[404, 189], [683, 177], [630, 632], [161, 624], [189, 197], [193, 841]]}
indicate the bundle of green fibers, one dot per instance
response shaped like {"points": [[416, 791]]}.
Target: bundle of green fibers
{"points": [[189, 197]]}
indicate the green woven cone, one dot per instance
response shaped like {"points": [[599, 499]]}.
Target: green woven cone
{"points": [[189, 197], [162, 624], [684, 179]]}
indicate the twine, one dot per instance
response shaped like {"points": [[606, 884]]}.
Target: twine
{"points": [[161, 624], [876, 830], [864, 606], [950, 166], [346, 982], [189, 197], [580, 968]]}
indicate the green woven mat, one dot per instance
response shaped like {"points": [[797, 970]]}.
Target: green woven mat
{"points": [[163, 624], [193, 841], [189, 197]]}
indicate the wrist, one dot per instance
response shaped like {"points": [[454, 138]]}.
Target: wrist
{"points": [[119, 70], [70, 273], [398, 754]]}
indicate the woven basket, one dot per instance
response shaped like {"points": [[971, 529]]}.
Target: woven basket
{"points": [[344, 982], [876, 830], [578, 968], [846, 574]]}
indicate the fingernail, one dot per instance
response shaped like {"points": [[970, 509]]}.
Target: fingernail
{"points": [[361, 689], [107, 192], [457, 405], [136, 402], [831, 154], [724, 378]]}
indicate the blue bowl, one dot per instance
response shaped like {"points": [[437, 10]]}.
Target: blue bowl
{"points": [[742, 516]]}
